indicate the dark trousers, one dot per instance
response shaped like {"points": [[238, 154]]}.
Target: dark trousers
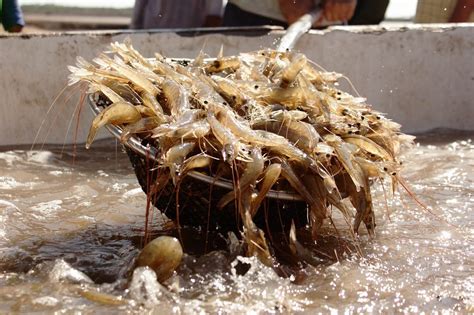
{"points": [[234, 16], [369, 12]]}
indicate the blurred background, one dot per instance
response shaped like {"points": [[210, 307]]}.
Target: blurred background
{"points": [[62, 15]]}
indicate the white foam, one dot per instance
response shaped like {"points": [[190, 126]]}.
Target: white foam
{"points": [[7, 182], [48, 208], [145, 288], [133, 192], [62, 271], [46, 301]]}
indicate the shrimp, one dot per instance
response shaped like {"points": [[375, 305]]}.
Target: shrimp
{"points": [[231, 146], [229, 64], [175, 156], [256, 243], [291, 97], [371, 169], [261, 138], [289, 73], [361, 200], [108, 92], [344, 152], [270, 177], [369, 146], [229, 91], [194, 162], [146, 111], [167, 71], [143, 125], [126, 50], [87, 72], [281, 145], [294, 115], [249, 177], [300, 251], [124, 90], [191, 130], [295, 182], [301, 134], [175, 97], [118, 113], [256, 120], [130, 73], [163, 255]]}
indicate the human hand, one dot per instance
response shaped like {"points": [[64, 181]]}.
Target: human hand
{"points": [[292, 10], [338, 10]]}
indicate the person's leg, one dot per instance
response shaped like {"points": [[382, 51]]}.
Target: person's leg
{"points": [[234, 16], [369, 12], [12, 17]]}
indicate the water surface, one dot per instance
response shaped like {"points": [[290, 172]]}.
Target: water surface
{"points": [[69, 232]]}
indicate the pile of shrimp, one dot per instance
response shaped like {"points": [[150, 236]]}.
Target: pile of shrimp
{"points": [[267, 120]]}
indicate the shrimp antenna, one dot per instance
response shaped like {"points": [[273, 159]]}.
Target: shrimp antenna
{"points": [[352, 85], [48, 131], [420, 203], [317, 65], [76, 108], [221, 52], [46, 115]]}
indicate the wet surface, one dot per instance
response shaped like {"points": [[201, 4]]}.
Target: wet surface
{"points": [[69, 232]]}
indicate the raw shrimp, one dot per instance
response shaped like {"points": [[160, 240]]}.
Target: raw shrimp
{"points": [[175, 97], [175, 156], [231, 146], [270, 177], [289, 73], [254, 122], [223, 64], [252, 171], [118, 114]]}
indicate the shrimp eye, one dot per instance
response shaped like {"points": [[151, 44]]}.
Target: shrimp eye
{"points": [[338, 98], [338, 93], [394, 173], [255, 87], [225, 103], [350, 132], [385, 169], [263, 54], [328, 155], [362, 118], [378, 117], [206, 102], [401, 163], [234, 97]]}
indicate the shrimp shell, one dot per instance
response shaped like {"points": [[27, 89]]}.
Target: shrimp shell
{"points": [[117, 114]]}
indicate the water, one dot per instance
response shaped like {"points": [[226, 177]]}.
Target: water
{"points": [[69, 232]]}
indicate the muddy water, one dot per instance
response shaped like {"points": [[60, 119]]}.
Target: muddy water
{"points": [[69, 232]]}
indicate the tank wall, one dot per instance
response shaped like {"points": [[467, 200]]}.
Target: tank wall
{"points": [[422, 77]]}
